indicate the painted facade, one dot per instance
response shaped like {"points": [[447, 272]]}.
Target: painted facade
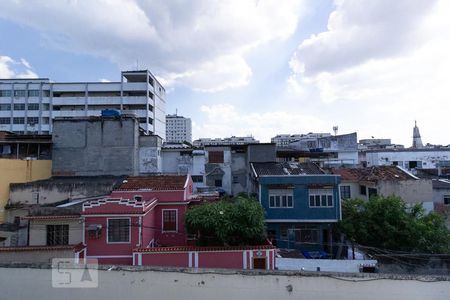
{"points": [[142, 223], [301, 204], [17, 170]]}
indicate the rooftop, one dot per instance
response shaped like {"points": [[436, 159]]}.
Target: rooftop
{"points": [[374, 173], [441, 184], [286, 168], [156, 182]]}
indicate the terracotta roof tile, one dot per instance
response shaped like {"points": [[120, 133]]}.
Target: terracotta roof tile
{"points": [[158, 183]]}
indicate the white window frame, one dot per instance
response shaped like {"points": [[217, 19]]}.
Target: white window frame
{"points": [[107, 230], [280, 193], [321, 192], [162, 220], [349, 190]]}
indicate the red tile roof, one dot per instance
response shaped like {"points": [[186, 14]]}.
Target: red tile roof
{"points": [[194, 248], [376, 173], [158, 183]]}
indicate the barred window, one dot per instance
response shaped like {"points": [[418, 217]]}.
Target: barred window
{"points": [[118, 230], [169, 220], [57, 235]]}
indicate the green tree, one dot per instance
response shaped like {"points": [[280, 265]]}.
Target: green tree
{"points": [[237, 221], [389, 223]]}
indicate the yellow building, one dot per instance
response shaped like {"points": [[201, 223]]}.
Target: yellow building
{"points": [[20, 171]]}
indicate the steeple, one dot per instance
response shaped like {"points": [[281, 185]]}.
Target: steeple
{"points": [[417, 140]]}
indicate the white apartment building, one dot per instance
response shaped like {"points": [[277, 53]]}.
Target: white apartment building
{"points": [[178, 129], [29, 105]]}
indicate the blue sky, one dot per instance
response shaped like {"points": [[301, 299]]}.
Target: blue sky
{"points": [[252, 67]]}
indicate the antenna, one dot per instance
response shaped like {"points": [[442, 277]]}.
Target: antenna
{"points": [[335, 129], [137, 64]]}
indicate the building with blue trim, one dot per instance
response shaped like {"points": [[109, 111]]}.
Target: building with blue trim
{"points": [[301, 202]]}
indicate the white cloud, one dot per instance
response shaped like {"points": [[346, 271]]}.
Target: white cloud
{"points": [[362, 30], [200, 44], [10, 68], [381, 91], [225, 120]]}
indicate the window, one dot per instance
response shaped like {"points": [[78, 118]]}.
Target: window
{"points": [[218, 183], [5, 120], [33, 106], [215, 157], [281, 199], [57, 235], [345, 192], [18, 120], [169, 220], [19, 93], [235, 179], [197, 178], [45, 120], [5, 93], [32, 120], [362, 190], [19, 106], [33, 93], [119, 230], [447, 199], [259, 263], [321, 198], [372, 192], [5, 106], [138, 198]]}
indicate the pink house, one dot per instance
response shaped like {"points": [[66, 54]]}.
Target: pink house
{"points": [[142, 223]]}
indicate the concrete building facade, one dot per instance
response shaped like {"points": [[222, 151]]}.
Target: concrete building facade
{"points": [[30, 105], [92, 146], [178, 129]]}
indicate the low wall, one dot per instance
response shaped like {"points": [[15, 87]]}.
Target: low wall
{"points": [[152, 283], [324, 265], [34, 256]]}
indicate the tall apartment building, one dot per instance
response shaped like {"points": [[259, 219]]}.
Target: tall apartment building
{"points": [[30, 105], [178, 129]]}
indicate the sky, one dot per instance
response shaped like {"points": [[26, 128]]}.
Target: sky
{"points": [[259, 68]]}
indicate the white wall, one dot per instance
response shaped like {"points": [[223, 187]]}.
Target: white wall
{"points": [[17, 283], [428, 158]]}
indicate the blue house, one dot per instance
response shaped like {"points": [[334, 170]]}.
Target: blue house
{"points": [[301, 203]]}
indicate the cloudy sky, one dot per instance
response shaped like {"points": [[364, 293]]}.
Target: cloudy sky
{"points": [[253, 67]]}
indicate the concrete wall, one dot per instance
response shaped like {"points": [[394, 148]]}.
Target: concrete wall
{"points": [[59, 189], [96, 146], [411, 191], [166, 284], [325, 265], [38, 231], [33, 257], [14, 170], [150, 154]]}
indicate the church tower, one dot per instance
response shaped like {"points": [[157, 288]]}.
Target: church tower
{"points": [[417, 140]]}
